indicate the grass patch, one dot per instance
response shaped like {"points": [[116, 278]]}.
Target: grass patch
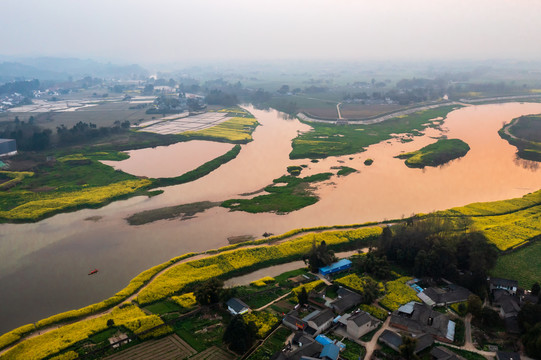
{"points": [[273, 344], [171, 212], [522, 265], [201, 331], [331, 140], [345, 170], [163, 307], [353, 351], [295, 195], [439, 153]]}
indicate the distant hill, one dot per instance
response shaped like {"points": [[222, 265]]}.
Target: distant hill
{"points": [[60, 69]]}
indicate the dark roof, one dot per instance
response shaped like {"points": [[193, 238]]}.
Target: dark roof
{"points": [[423, 320], [294, 320], [391, 338], [509, 304], [502, 355], [308, 350], [361, 318], [237, 305], [442, 353], [424, 341], [310, 330], [322, 317], [453, 294], [347, 299], [503, 282]]}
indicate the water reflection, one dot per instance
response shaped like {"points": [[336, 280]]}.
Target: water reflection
{"points": [[526, 164]]}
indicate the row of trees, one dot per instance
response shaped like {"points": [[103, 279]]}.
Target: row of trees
{"points": [[30, 137]]}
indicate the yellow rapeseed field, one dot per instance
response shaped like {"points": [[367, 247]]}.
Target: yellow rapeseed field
{"points": [[45, 203], [178, 277], [398, 293], [57, 340], [234, 129]]}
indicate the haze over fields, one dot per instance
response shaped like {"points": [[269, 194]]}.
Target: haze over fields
{"points": [[167, 31]]}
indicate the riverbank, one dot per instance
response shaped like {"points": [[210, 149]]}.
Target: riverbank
{"points": [[524, 133]]}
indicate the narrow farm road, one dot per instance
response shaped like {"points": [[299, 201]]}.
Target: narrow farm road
{"points": [[371, 346]]}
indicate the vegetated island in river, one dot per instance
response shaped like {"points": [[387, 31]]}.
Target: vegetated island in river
{"points": [[171, 285], [330, 140], [525, 133], [439, 153]]}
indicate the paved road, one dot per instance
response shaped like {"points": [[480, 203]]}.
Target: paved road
{"points": [[379, 119]]}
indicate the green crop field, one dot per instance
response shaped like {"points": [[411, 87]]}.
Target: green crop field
{"points": [[522, 265], [332, 140]]}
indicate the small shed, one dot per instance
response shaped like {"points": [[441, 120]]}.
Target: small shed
{"points": [[237, 306], [8, 147], [338, 266]]}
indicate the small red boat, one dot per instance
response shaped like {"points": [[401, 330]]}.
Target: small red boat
{"points": [[95, 271]]}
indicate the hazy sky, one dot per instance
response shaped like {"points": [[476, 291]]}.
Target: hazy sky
{"points": [[161, 31]]}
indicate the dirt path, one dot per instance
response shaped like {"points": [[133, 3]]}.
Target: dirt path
{"points": [[153, 278], [372, 345], [468, 345], [273, 301]]}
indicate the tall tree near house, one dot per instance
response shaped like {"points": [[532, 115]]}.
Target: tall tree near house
{"points": [[240, 335]]}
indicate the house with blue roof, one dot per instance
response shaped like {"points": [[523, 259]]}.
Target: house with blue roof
{"points": [[336, 267], [330, 352]]}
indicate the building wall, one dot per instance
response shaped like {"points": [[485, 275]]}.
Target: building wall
{"points": [[7, 147]]}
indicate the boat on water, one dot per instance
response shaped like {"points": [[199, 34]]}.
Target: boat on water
{"points": [[95, 271]]}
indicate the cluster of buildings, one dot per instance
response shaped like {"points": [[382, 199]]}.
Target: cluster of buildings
{"points": [[11, 100], [417, 319]]}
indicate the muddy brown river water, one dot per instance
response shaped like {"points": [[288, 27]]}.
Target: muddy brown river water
{"points": [[44, 266]]}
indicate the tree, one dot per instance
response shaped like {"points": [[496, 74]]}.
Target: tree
{"points": [[239, 335], [319, 256], [536, 288], [303, 297], [110, 323], [475, 305], [209, 292], [407, 349]]}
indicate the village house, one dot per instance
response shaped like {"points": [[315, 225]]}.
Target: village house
{"points": [[237, 306], [434, 296], [511, 286], [346, 300], [419, 318], [319, 320], [394, 340], [358, 323]]}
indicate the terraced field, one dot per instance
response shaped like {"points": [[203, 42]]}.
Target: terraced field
{"points": [[170, 347]]}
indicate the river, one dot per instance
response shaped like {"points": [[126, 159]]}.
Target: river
{"points": [[44, 266]]}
